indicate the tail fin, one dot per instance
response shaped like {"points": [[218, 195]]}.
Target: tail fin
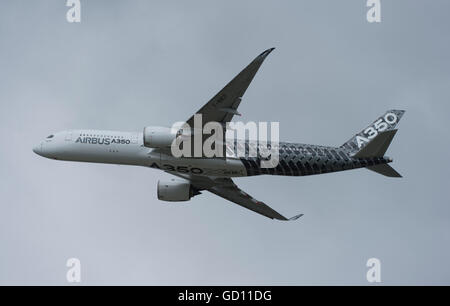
{"points": [[377, 146], [387, 122]]}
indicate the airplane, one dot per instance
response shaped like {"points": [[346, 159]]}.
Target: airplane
{"points": [[151, 148]]}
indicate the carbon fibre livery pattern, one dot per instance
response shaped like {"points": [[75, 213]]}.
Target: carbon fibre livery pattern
{"points": [[301, 159]]}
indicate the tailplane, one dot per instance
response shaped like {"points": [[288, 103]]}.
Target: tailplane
{"points": [[385, 170], [376, 148]]}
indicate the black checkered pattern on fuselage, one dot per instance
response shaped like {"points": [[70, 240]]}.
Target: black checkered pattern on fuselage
{"points": [[302, 159]]}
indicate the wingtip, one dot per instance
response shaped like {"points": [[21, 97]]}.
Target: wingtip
{"points": [[295, 217], [266, 52], [283, 218]]}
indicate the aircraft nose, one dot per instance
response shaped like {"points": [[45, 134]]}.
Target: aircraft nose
{"points": [[37, 149]]}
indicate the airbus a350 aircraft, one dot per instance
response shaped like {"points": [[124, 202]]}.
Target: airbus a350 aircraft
{"points": [[151, 148]]}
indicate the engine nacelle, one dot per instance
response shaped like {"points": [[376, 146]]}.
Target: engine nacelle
{"points": [[158, 137], [176, 190]]}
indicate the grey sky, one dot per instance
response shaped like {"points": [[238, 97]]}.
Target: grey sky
{"points": [[137, 63]]}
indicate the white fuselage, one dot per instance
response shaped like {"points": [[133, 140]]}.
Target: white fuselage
{"points": [[127, 148]]}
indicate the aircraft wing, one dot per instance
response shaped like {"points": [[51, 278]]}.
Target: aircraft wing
{"points": [[223, 106], [227, 189], [232, 193]]}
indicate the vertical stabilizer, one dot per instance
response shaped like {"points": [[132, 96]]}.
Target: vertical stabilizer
{"points": [[387, 122]]}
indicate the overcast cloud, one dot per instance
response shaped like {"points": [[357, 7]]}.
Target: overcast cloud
{"points": [[137, 63]]}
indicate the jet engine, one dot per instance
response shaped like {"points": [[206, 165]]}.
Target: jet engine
{"points": [[158, 137], [176, 190]]}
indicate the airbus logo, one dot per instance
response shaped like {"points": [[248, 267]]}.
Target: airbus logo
{"points": [[100, 140]]}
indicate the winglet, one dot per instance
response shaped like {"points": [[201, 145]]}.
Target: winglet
{"points": [[265, 53], [294, 217]]}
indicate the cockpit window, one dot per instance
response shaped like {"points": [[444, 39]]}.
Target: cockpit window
{"points": [[50, 136]]}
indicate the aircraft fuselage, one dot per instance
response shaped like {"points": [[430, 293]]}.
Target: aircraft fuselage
{"points": [[127, 148]]}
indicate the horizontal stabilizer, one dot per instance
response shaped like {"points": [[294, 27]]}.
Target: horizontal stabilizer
{"points": [[377, 146], [385, 170]]}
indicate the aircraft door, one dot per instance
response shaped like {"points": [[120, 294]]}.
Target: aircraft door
{"points": [[68, 136]]}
